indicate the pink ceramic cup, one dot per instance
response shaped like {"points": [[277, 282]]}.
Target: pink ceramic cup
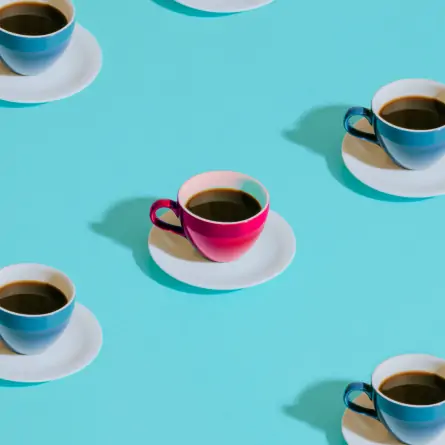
{"points": [[217, 241]]}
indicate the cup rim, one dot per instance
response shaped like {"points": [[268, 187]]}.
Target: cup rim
{"points": [[377, 113], [49, 268], [70, 22], [408, 405], [263, 209]]}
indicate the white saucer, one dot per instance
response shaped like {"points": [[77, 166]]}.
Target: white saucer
{"points": [[270, 255], [74, 71], [372, 166], [362, 430], [224, 6], [78, 346]]}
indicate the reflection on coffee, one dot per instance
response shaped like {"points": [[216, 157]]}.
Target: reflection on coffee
{"points": [[414, 388], [31, 18], [415, 113], [224, 205], [31, 298]]}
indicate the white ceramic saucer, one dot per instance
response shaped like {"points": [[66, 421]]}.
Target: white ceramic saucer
{"points": [[74, 350], [372, 166], [361, 430], [224, 6], [74, 71], [270, 255]]}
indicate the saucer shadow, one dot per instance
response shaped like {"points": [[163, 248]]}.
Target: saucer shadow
{"points": [[321, 407], [8, 384], [5, 104], [128, 224], [176, 7], [321, 131]]}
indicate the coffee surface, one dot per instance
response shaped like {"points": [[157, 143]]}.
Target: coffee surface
{"points": [[31, 18], [224, 205], [415, 113], [31, 298], [415, 388]]}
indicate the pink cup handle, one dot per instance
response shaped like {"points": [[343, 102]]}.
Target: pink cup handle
{"points": [[169, 204]]}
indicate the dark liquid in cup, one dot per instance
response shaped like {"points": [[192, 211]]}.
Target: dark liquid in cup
{"points": [[224, 205], [31, 298], [31, 18], [415, 388], [415, 113]]}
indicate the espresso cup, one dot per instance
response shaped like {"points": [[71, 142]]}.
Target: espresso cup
{"points": [[29, 55], [408, 148], [410, 424], [32, 334], [217, 241]]}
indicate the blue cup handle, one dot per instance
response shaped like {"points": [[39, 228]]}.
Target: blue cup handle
{"points": [[361, 112], [360, 387]]}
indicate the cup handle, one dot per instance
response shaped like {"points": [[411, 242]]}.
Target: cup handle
{"points": [[169, 204], [361, 387], [368, 115]]}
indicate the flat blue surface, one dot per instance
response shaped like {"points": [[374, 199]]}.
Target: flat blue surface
{"points": [[263, 93]]}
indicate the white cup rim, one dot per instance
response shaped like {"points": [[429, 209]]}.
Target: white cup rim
{"points": [[70, 21], [219, 223], [377, 381], [53, 270]]}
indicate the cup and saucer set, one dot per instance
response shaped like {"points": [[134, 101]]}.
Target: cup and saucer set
{"points": [[44, 54], [220, 233], [398, 146], [45, 333], [403, 404]]}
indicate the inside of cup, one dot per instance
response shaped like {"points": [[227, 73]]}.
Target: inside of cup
{"points": [[407, 87], [407, 363], [37, 272], [223, 179], [64, 6]]}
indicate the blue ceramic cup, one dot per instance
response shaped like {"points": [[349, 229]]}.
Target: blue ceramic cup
{"points": [[31, 55], [410, 424], [410, 149], [32, 334]]}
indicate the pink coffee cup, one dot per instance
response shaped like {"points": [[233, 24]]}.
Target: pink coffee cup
{"points": [[217, 241]]}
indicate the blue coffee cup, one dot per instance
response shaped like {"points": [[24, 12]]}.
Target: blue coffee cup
{"points": [[30, 55], [410, 149], [32, 334], [410, 424]]}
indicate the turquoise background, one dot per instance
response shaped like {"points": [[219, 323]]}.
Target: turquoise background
{"points": [[263, 93]]}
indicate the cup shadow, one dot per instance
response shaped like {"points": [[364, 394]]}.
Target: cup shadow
{"points": [[128, 224], [173, 6], [4, 350], [321, 407], [320, 130], [6, 72]]}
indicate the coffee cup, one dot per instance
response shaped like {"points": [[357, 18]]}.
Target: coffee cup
{"points": [[222, 213], [36, 303], [408, 393], [408, 118], [33, 35]]}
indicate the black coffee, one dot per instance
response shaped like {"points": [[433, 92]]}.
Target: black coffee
{"points": [[224, 205], [415, 388], [31, 298], [415, 113], [31, 19]]}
